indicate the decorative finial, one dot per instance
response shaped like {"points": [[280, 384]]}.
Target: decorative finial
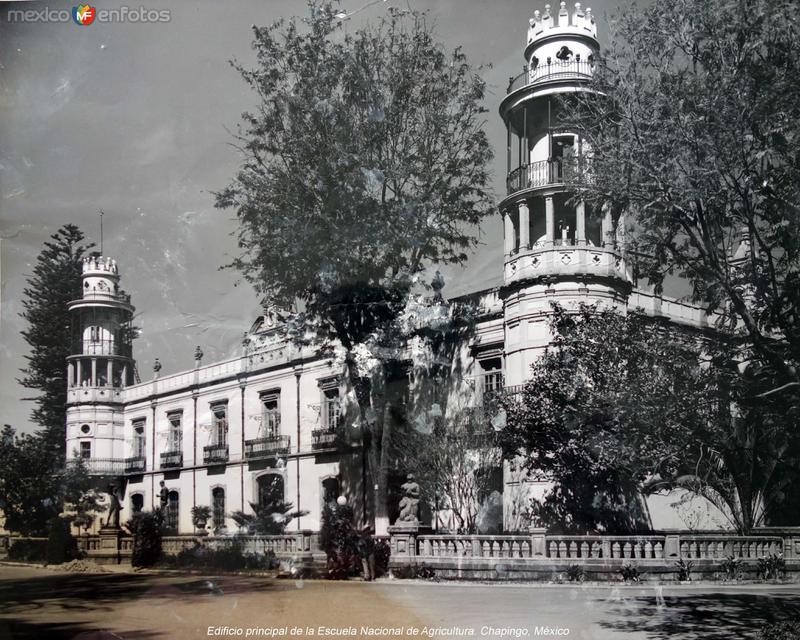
{"points": [[198, 353], [156, 366]]}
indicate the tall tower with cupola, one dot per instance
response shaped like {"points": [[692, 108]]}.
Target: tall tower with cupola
{"points": [[100, 366], [556, 248]]}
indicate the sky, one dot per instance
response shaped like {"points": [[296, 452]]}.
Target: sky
{"points": [[136, 120]]}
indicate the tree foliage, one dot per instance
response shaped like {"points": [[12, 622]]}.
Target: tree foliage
{"points": [[33, 490], [696, 141], [623, 406], [364, 163], [56, 280]]}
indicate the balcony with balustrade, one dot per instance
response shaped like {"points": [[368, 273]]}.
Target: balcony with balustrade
{"points": [[268, 447], [135, 464], [215, 454], [100, 466], [552, 71], [324, 439], [171, 459]]}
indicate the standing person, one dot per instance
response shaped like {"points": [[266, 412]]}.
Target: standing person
{"points": [[366, 551]]}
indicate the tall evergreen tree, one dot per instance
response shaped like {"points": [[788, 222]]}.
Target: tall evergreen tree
{"points": [[55, 281]]}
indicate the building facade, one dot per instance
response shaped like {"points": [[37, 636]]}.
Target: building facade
{"points": [[269, 423]]}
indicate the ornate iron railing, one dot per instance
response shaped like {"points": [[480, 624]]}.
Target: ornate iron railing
{"points": [[268, 447], [135, 464], [541, 174], [171, 459], [552, 71], [101, 466], [215, 453], [324, 439]]}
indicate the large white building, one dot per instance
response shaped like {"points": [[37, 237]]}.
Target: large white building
{"points": [[267, 423]]}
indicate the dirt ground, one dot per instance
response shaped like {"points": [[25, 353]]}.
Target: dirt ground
{"points": [[37, 603]]}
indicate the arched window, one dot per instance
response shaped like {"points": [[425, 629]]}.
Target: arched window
{"points": [[270, 490], [218, 507], [137, 502]]}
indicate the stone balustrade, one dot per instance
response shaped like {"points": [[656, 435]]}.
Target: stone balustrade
{"points": [[499, 557]]}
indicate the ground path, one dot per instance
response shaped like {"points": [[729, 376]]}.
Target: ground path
{"points": [[38, 603]]}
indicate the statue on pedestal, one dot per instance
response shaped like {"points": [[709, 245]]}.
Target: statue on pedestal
{"points": [[409, 503], [114, 507]]}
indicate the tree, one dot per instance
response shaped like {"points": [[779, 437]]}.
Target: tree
{"points": [[364, 163], [29, 491], [33, 490], [623, 406], [697, 143], [453, 456], [56, 280], [80, 494]]}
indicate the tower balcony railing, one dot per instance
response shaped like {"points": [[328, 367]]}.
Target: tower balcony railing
{"points": [[541, 174], [551, 71], [171, 459], [101, 348], [100, 466], [269, 447], [215, 453], [136, 464]]}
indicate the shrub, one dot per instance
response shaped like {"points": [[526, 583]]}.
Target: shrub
{"points": [[27, 550], [771, 566], [786, 630], [61, 546], [228, 558], [382, 554], [575, 573], [629, 572], [146, 539], [684, 568], [338, 540], [732, 566]]}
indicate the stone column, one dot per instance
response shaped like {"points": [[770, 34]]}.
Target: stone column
{"points": [[124, 377], [70, 378], [524, 226], [549, 221], [94, 372], [79, 376], [580, 224], [510, 240], [110, 373]]}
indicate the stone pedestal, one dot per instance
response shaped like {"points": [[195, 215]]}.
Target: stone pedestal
{"points": [[538, 542], [108, 550], [403, 541]]}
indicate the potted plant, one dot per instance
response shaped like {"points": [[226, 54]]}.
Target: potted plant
{"points": [[200, 516]]}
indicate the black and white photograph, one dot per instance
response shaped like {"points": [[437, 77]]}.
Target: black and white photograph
{"points": [[399, 319]]}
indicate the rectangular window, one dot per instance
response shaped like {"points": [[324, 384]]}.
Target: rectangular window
{"points": [[219, 424], [492, 378], [86, 450], [139, 442], [175, 434], [270, 415], [331, 411]]}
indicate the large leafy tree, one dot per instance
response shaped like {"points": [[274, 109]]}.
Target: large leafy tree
{"points": [[364, 163], [697, 142], [623, 406], [33, 490], [56, 280]]}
